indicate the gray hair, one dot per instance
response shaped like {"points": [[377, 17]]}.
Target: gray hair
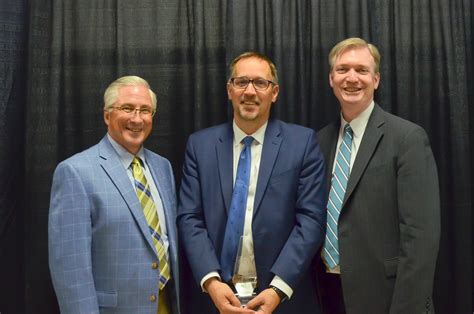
{"points": [[111, 93]]}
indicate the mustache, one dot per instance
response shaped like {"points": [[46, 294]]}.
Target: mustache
{"points": [[251, 100]]}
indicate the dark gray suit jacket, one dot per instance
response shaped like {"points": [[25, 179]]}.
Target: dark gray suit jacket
{"points": [[389, 225]]}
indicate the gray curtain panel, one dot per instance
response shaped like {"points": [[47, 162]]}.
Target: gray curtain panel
{"points": [[58, 56]]}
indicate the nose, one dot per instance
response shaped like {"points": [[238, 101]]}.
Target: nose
{"points": [[250, 89], [352, 75], [136, 115]]}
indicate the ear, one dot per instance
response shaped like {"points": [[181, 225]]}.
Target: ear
{"points": [[106, 116], [275, 91], [229, 91], [330, 79], [376, 80]]}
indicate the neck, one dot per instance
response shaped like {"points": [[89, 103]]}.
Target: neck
{"points": [[249, 127], [351, 112]]}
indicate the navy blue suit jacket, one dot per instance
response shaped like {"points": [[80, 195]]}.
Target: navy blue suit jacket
{"points": [[289, 211]]}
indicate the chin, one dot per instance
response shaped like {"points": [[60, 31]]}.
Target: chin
{"points": [[352, 99], [248, 115]]}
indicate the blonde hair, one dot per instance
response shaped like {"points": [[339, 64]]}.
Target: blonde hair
{"points": [[351, 43], [111, 93], [253, 54]]}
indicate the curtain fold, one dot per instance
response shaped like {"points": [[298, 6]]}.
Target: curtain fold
{"points": [[13, 46]]}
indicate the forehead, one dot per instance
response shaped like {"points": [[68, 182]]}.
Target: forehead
{"points": [[355, 56], [134, 94], [252, 67]]}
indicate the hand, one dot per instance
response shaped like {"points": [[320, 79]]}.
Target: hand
{"points": [[266, 301], [224, 298]]}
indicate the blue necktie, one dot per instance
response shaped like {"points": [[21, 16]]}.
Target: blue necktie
{"points": [[336, 196], [235, 221]]}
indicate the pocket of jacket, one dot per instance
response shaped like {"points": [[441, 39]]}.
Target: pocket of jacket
{"points": [[391, 266], [107, 299]]}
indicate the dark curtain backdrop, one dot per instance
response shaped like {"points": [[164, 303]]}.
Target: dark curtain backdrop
{"points": [[58, 56]]}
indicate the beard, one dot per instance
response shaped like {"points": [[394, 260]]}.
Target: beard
{"points": [[248, 110]]}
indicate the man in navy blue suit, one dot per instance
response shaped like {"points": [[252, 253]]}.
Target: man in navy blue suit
{"points": [[284, 214]]}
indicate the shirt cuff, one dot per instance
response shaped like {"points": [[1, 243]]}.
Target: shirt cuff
{"points": [[283, 286], [210, 275]]}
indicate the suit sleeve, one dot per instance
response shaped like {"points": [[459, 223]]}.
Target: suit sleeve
{"points": [[191, 224], [419, 211], [69, 238], [310, 219]]}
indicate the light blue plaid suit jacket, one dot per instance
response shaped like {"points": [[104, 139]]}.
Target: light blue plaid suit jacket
{"points": [[100, 249]]}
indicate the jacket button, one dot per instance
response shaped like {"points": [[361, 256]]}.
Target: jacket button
{"points": [[154, 265], [152, 298]]}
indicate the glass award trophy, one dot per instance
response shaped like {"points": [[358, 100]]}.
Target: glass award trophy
{"points": [[245, 274]]}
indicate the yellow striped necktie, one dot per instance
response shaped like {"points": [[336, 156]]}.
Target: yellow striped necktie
{"points": [[151, 215]]}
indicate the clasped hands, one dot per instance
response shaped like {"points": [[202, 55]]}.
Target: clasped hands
{"points": [[226, 301]]}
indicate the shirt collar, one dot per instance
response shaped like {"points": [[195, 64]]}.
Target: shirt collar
{"points": [[125, 157], [258, 135], [358, 124]]}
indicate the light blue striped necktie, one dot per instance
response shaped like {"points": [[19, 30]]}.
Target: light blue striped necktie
{"points": [[336, 197]]}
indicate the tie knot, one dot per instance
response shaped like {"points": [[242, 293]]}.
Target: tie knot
{"points": [[247, 141], [348, 129], [136, 161]]}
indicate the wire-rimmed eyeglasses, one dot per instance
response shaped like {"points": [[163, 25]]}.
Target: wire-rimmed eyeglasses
{"points": [[130, 110], [242, 82]]}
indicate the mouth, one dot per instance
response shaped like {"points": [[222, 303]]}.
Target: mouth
{"points": [[249, 103], [134, 130], [351, 90]]}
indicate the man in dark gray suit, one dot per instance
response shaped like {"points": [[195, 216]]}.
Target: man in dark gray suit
{"points": [[383, 221]]}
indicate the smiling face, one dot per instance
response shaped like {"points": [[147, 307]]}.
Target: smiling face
{"points": [[130, 129], [252, 107], [354, 80]]}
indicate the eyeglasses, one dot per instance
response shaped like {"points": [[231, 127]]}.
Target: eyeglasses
{"points": [[242, 82], [130, 110]]}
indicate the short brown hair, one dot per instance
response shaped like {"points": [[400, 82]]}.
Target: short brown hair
{"points": [[253, 54], [354, 42]]}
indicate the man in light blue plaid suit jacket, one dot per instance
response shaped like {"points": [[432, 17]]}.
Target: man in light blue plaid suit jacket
{"points": [[101, 254]]}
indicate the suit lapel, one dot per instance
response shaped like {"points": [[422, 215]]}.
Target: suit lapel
{"points": [[165, 185], [270, 150], [162, 181], [224, 152], [112, 165], [159, 179], [372, 135]]}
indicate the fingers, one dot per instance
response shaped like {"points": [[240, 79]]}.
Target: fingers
{"points": [[224, 298], [266, 301]]}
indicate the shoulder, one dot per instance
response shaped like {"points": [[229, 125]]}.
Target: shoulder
{"points": [[293, 130], [155, 158], [401, 127], [82, 166], [84, 158], [212, 131], [204, 139], [327, 129], [401, 133]]}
